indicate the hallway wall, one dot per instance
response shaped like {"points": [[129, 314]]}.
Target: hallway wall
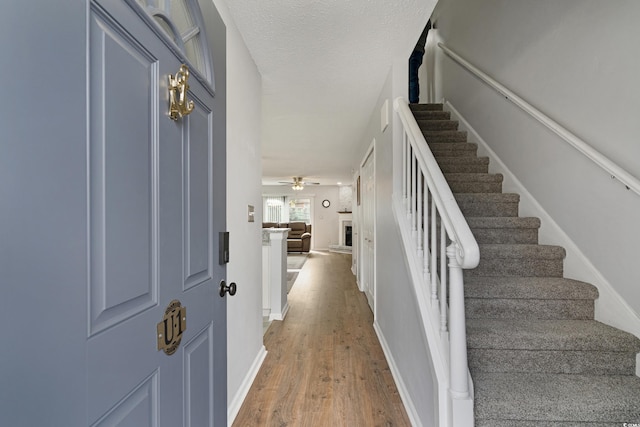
{"points": [[245, 350], [397, 318], [575, 61]]}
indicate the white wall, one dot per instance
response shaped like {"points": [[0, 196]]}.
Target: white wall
{"points": [[245, 350], [324, 230], [575, 61], [397, 319]]}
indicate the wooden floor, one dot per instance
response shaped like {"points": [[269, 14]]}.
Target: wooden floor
{"points": [[324, 366]]}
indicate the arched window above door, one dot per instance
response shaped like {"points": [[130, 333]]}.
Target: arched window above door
{"points": [[182, 22]]}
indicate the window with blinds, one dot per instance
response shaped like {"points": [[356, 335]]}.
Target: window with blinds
{"points": [[274, 209]]}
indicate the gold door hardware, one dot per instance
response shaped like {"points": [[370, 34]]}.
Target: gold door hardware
{"points": [[178, 87], [170, 329]]}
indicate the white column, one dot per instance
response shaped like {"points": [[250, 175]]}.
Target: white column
{"points": [[275, 272]]}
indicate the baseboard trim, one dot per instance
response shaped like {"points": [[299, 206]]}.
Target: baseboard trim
{"points": [[405, 396], [280, 316], [236, 403], [610, 308]]}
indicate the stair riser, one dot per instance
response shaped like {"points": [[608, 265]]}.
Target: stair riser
{"points": [[432, 115], [425, 107], [579, 400], [476, 187], [552, 362], [437, 125], [493, 308], [470, 208], [505, 235], [517, 423], [445, 136], [464, 168], [454, 152], [517, 267]]}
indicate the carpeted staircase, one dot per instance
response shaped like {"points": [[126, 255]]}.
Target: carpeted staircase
{"points": [[536, 355]]}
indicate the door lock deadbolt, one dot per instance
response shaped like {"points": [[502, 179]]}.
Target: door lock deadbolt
{"points": [[231, 289]]}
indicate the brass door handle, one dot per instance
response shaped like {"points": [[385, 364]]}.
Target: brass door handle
{"points": [[178, 87]]}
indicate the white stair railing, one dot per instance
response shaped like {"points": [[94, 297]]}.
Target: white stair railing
{"points": [[439, 245]]}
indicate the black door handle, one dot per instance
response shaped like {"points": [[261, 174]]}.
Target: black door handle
{"points": [[231, 289]]}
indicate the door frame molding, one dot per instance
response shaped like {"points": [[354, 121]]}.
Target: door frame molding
{"points": [[369, 153]]}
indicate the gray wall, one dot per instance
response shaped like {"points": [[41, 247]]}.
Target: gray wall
{"points": [[576, 61]]}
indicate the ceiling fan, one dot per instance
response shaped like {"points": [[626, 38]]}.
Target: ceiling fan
{"points": [[298, 183]]}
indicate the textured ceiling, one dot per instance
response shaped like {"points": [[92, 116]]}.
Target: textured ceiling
{"points": [[323, 64]]}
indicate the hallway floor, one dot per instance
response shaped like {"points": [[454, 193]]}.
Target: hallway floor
{"points": [[324, 366]]}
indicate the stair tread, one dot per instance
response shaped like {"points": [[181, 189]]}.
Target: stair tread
{"points": [[557, 397], [551, 288], [536, 334]]}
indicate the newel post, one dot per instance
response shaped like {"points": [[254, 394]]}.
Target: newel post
{"points": [[457, 328], [461, 398]]}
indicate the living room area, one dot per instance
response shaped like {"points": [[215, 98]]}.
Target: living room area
{"points": [[325, 211], [298, 223]]}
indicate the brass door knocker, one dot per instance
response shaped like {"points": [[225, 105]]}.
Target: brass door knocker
{"points": [[178, 87]]}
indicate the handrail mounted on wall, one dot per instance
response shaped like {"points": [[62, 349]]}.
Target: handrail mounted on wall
{"points": [[616, 172]]}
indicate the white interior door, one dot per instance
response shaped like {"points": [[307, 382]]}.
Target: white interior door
{"points": [[368, 228], [151, 235]]}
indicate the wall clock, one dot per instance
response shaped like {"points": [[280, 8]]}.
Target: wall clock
{"points": [[326, 203]]}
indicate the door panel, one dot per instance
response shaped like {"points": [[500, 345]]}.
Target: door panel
{"points": [[197, 191], [122, 242], [151, 220], [137, 409], [198, 374]]}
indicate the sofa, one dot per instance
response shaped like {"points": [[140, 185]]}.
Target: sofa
{"points": [[298, 239]]}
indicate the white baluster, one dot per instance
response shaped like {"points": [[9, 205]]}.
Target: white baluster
{"points": [[434, 251], [426, 232], [405, 142], [414, 166], [419, 214], [443, 279]]}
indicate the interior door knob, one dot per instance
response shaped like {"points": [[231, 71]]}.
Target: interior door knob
{"points": [[231, 289]]}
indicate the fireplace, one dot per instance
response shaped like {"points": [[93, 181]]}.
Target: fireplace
{"points": [[344, 221], [345, 233]]}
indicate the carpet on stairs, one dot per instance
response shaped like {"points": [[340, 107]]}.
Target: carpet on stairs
{"points": [[536, 354]]}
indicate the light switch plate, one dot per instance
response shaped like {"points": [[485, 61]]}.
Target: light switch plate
{"points": [[251, 212]]}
